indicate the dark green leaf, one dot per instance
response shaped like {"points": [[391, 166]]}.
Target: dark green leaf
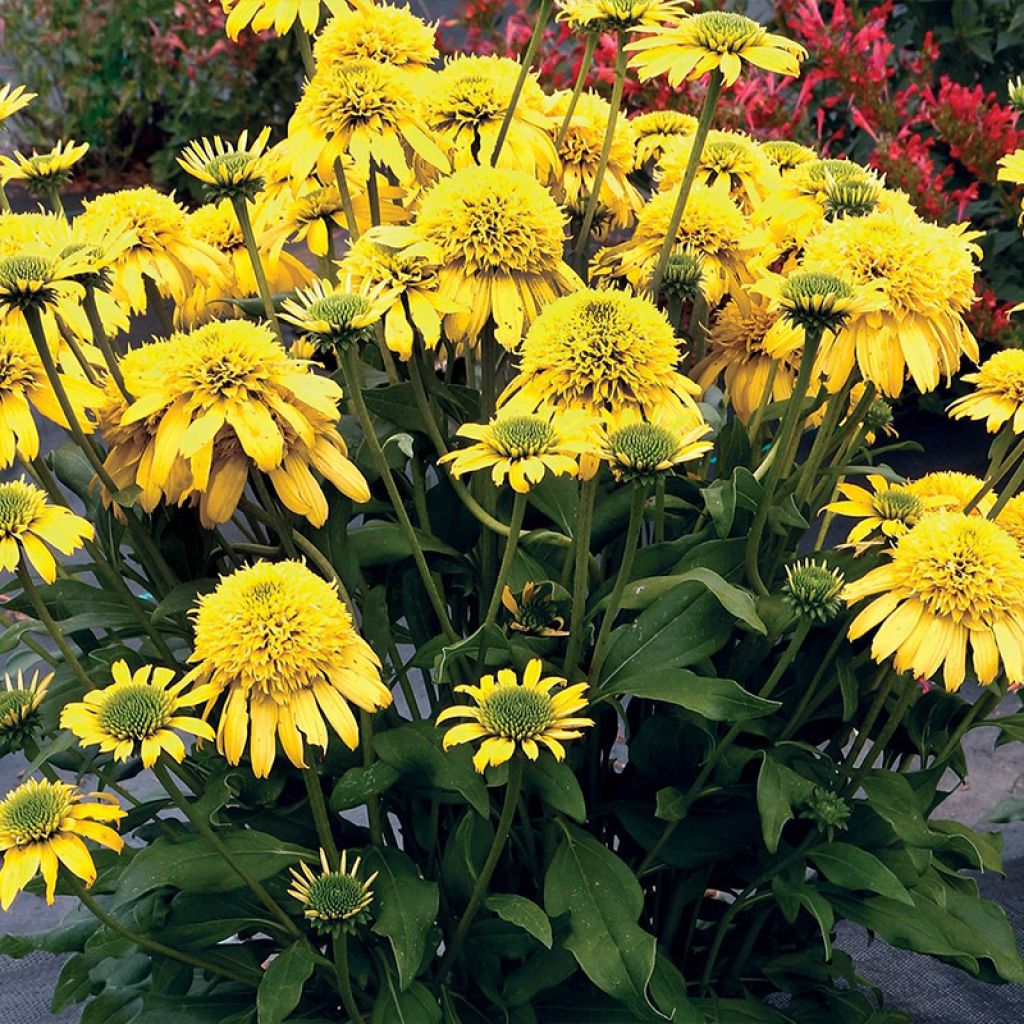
{"points": [[415, 1005], [718, 700], [779, 791], [359, 784], [379, 543], [281, 987], [556, 784], [851, 867], [405, 908], [182, 598], [523, 913], [603, 900]]}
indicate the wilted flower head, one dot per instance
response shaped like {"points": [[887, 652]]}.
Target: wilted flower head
{"points": [[535, 611]]}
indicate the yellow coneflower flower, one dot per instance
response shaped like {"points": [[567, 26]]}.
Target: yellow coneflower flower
{"points": [[136, 715], [28, 522], [655, 130], [42, 825], [950, 491], [216, 225], [410, 276], [524, 448], [814, 300], [312, 215], [600, 350], [729, 156], [334, 902], [1011, 167], [227, 170], [701, 43], [163, 248], [37, 279], [953, 581], [535, 611], [786, 154], [43, 171], [363, 111], [599, 16], [335, 316], [888, 509], [500, 238], [579, 154], [511, 716], [280, 15], [1011, 519], [19, 703], [750, 344], [924, 275], [465, 106], [24, 386], [276, 642], [639, 447], [12, 99], [998, 395], [378, 32], [713, 228], [230, 397]]}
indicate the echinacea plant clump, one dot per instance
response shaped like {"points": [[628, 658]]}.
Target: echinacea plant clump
{"points": [[487, 598]]}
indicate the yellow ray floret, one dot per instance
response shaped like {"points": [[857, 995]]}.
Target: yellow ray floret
{"points": [[28, 523], [510, 716]]}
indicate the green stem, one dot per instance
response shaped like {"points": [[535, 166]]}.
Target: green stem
{"points": [[305, 49], [5, 203], [1012, 485], [808, 703], [434, 433], [581, 547], [594, 199], [142, 540], [707, 114], [346, 200], [837, 405], [44, 616], [350, 368], [373, 801], [999, 465], [882, 683], [275, 513], [543, 14], [788, 655], [791, 421], [636, 520], [978, 710], [144, 942], [659, 508], [508, 810], [241, 205], [71, 341], [202, 826], [321, 817], [344, 977], [586, 62], [909, 695], [102, 342], [511, 543]]}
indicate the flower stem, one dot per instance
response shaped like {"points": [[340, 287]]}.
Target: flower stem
{"points": [[143, 541], [1012, 485], [586, 62], [543, 14], [636, 521], [909, 695], [350, 368], [434, 433], [321, 817], [202, 826], [373, 801], [707, 113], [275, 513], [790, 428], [346, 200], [344, 977], [883, 682], [102, 342], [44, 616], [241, 205], [584, 526], [143, 941], [978, 711], [594, 199], [305, 49], [511, 543], [508, 810]]}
